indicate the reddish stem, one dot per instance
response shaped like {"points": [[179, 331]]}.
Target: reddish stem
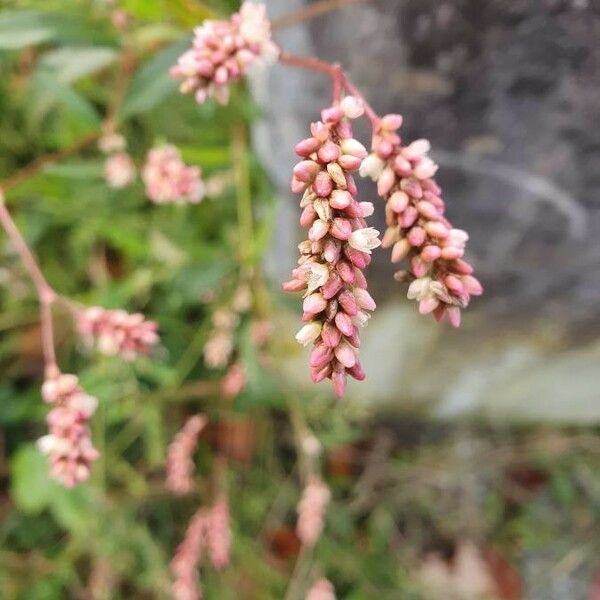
{"points": [[341, 81], [46, 294], [310, 12]]}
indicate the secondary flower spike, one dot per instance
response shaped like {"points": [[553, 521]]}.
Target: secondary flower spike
{"points": [[338, 249], [68, 445], [441, 281], [224, 51], [168, 179], [117, 331]]}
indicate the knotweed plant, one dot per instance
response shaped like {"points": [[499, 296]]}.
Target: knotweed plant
{"points": [[337, 247]]}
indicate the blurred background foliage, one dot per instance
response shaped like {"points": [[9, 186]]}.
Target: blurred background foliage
{"points": [[403, 491]]}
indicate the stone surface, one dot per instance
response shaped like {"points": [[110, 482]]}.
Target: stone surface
{"points": [[507, 92]]}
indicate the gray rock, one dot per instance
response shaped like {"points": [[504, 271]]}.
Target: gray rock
{"points": [[507, 92]]}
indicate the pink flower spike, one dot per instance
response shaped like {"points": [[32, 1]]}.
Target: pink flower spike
{"points": [[311, 511], [417, 229], [68, 445], [339, 242], [168, 179], [225, 51], [180, 464]]}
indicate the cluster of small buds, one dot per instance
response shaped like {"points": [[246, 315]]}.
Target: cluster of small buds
{"points": [[224, 51], [208, 530], [117, 332], [417, 230], [338, 248], [68, 445], [311, 511], [180, 463], [219, 346], [321, 590], [235, 381], [119, 168], [168, 179]]}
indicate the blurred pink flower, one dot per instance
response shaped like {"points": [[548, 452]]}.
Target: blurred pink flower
{"points": [[180, 463], [219, 534], [117, 332], [68, 445], [235, 381], [338, 249], [322, 590], [168, 179], [224, 51], [311, 511], [119, 170], [184, 565]]}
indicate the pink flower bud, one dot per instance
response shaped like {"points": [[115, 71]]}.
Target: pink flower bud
{"points": [[345, 271], [348, 302], [344, 323], [323, 184], [400, 250], [472, 285], [340, 199], [332, 115], [416, 236], [341, 229], [331, 335], [314, 304], [398, 201], [357, 372], [386, 181], [346, 355], [329, 152], [318, 230], [308, 216], [349, 163], [318, 375], [332, 287], [307, 147], [306, 171], [452, 253], [391, 122], [437, 229], [320, 356], [431, 253], [408, 217], [364, 300], [352, 107]]}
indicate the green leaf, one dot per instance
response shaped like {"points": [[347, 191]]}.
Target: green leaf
{"points": [[24, 28], [70, 63], [31, 488], [152, 83]]}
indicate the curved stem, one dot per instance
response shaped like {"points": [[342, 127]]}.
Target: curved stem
{"points": [[46, 295], [310, 12], [37, 165], [340, 80]]}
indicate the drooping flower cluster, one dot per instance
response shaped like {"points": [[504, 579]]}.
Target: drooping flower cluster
{"points": [[338, 248], [219, 346], [235, 381], [119, 168], [417, 229], [117, 331], [168, 179], [208, 531], [68, 445], [223, 51], [180, 464], [321, 590], [311, 511]]}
